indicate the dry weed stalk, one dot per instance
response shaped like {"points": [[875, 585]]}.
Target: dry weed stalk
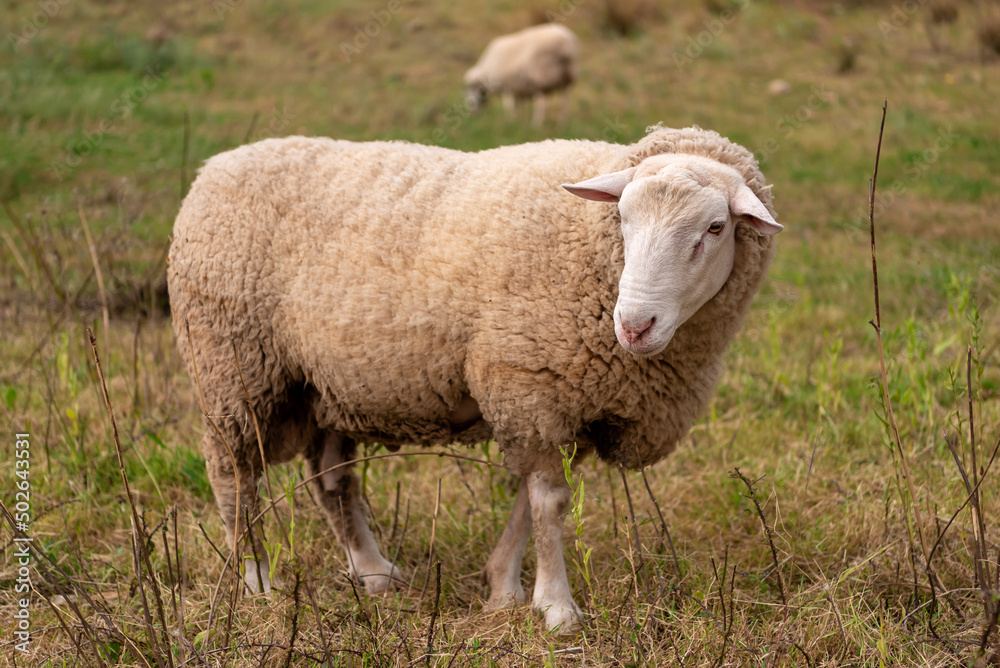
{"points": [[767, 532], [36, 251], [184, 153], [20, 260], [635, 531], [163, 654], [981, 564], [430, 550], [982, 568], [663, 526], [877, 326], [437, 600], [727, 619], [40, 557], [295, 621], [100, 277]]}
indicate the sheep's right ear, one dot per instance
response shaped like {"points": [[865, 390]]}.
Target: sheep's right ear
{"points": [[604, 188]]}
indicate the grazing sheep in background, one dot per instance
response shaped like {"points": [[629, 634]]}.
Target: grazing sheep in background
{"points": [[398, 293], [529, 63]]}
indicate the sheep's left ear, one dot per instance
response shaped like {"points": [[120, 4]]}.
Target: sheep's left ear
{"points": [[604, 188], [745, 203]]}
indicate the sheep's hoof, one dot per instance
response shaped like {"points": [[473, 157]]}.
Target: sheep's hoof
{"points": [[562, 618], [500, 600], [378, 580], [256, 577]]}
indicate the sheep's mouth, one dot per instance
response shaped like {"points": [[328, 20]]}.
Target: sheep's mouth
{"points": [[649, 345]]}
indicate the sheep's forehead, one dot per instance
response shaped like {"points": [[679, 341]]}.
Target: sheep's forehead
{"points": [[703, 170], [677, 195]]}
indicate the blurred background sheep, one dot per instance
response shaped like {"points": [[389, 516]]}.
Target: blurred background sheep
{"points": [[529, 63]]}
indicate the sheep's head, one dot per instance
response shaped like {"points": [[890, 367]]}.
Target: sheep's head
{"points": [[679, 215], [477, 89], [475, 97]]}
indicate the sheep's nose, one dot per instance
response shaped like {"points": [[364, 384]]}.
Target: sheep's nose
{"points": [[633, 334]]}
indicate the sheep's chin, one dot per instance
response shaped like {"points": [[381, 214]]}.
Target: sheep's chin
{"points": [[650, 346]]}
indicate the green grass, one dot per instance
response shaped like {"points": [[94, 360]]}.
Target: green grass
{"points": [[92, 119]]}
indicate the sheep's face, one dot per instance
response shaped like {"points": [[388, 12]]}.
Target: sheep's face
{"points": [[679, 214], [475, 97]]}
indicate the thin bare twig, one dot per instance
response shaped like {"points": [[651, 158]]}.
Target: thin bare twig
{"points": [[100, 277], [663, 525], [402, 537], [395, 514], [727, 620], [184, 153], [812, 457], [430, 551], [978, 526], [251, 127], [36, 251], [295, 620], [217, 551], [840, 624], [614, 503], [20, 260], [434, 613], [877, 326], [809, 661], [142, 557], [767, 532], [635, 531], [41, 556], [618, 625]]}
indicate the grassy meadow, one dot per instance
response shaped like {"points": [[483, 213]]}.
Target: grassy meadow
{"points": [[864, 532]]}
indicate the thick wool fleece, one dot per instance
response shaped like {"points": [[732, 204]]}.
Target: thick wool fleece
{"points": [[368, 288]]}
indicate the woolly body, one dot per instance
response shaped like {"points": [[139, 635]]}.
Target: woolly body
{"points": [[395, 292], [394, 278]]}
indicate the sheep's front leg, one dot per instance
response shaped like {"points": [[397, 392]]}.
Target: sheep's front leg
{"points": [[503, 569], [538, 115], [508, 103], [550, 496], [339, 493], [564, 112]]}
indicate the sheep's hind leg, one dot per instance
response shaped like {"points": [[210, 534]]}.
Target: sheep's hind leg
{"points": [[339, 493], [223, 478], [550, 496], [503, 569]]}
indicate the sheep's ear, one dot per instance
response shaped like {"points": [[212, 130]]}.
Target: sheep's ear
{"points": [[604, 188], [745, 203]]}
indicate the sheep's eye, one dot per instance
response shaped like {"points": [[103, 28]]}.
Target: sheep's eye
{"points": [[716, 228]]}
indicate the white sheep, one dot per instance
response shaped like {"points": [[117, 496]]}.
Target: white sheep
{"points": [[399, 293], [529, 63]]}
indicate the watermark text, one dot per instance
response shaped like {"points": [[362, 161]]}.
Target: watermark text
{"points": [[22, 553]]}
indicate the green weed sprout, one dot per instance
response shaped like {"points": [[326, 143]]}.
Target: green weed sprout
{"points": [[575, 482]]}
